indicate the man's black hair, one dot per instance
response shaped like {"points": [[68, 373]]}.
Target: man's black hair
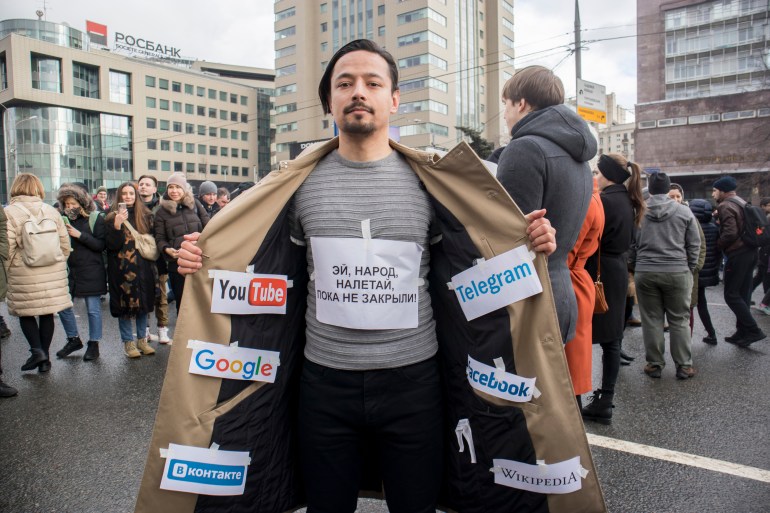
{"points": [[325, 86], [764, 202]]}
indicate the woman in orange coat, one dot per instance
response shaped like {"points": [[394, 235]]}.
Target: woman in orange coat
{"points": [[578, 349]]}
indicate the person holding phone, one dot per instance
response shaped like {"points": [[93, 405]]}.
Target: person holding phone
{"points": [[131, 277]]}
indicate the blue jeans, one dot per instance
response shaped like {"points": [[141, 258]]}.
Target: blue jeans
{"points": [[94, 307], [126, 332]]}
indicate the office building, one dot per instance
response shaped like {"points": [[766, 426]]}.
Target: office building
{"points": [[73, 112], [704, 92], [453, 58]]}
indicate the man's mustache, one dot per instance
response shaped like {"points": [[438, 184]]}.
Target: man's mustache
{"points": [[356, 106]]}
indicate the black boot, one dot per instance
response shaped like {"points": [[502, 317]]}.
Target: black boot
{"points": [[599, 409], [4, 331], [73, 344], [38, 357], [92, 352]]}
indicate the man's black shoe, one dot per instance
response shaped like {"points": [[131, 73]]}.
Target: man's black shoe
{"points": [[92, 353], [44, 366], [7, 390], [734, 337], [38, 357], [73, 344], [626, 356], [749, 339], [710, 339]]}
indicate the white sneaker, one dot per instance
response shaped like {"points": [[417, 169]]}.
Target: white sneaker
{"points": [[163, 336], [151, 337]]}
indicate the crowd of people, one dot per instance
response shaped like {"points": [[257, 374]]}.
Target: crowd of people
{"points": [[608, 231], [88, 247]]}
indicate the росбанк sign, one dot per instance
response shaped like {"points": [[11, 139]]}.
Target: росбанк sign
{"points": [[144, 46]]}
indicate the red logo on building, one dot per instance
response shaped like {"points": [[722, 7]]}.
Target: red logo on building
{"points": [[97, 32]]}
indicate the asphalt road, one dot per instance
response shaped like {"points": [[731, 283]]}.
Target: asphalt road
{"points": [[75, 440]]}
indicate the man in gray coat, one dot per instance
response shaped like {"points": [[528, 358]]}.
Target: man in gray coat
{"points": [[664, 258], [546, 166]]}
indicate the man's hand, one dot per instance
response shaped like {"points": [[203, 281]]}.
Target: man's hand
{"points": [[190, 256], [541, 234]]}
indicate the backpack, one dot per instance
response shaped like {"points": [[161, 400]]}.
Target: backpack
{"points": [[756, 230], [40, 245]]}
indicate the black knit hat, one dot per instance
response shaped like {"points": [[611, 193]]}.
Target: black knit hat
{"points": [[726, 184], [658, 183]]}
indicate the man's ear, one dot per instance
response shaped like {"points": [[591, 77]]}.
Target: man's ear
{"points": [[396, 101]]}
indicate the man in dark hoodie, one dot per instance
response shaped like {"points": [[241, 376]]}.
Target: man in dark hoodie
{"points": [[664, 257], [546, 166]]}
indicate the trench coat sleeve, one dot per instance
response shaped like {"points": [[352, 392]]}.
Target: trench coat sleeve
{"points": [[522, 171], [692, 243], [94, 241], [114, 239]]}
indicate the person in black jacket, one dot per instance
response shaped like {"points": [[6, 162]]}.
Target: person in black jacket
{"points": [[709, 274], [131, 277], [179, 214], [87, 277], [623, 210], [207, 195]]}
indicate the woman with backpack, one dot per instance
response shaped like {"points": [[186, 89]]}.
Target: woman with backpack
{"points": [[38, 247], [179, 214], [87, 277], [131, 277]]}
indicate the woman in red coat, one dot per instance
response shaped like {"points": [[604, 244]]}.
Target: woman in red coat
{"points": [[578, 350]]}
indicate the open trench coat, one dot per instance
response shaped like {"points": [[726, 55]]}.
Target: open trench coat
{"points": [[477, 219]]}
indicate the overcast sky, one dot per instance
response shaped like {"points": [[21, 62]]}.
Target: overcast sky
{"points": [[241, 32]]}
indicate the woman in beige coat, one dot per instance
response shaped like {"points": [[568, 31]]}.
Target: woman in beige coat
{"points": [[39, 290]]}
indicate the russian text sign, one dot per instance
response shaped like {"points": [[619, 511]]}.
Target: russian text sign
{"points": [[233, 362], [245, 293], [366, 284], [592, 101], [499, 383], [562, 477], [204, 471], [496, 283]]}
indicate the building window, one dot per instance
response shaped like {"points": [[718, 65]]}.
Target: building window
{"points": [[213, 169], [164, 124], [165, 165], [324, 7], [177, 126], [381, 30], [150, 102], [324, 27], [201, 149], [419, 14], [152, 123], [223, 133], [46, 73], [381, 10], [235, 171], [507, 41], [202, 169], [287, 89], [646, 124], [244, 136], [212, 112], [233, 98], [223, 151], [287, 127], [420, 83], [324, 46], [287, 32], [189, 128], [286, 70], [223, 115], [188, 89], [703, 118], [3, 72], [507, 24], [244, 100], [212, 94], [418, 60], [189, 108], [178, 166], [419, 37], [149, 81], [201, 110], [152, 144], [163, 84], [178, 146], [244, 154], [152, 165], [422, 106], [222, 96], [508, 7], [212, 131], [324, 124], [234, 135], [176, 106], [85, 80], [163, 104], [763, 113], [225, 170], [189, 167], [286, 13], [733, 116], [120, 87], [213, 150], [176, 87], [481, 34], [165, 145], [234, 152], [200, 91], [424, 128], [283, 109], [244, 118], [201, 129]]}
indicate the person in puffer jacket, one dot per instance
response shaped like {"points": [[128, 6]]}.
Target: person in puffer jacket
{"points": [[179, 214], [87, 276], [709, 275]]}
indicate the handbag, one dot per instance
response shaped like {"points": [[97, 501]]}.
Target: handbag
{"points": [[145, 243], [600, 302]]}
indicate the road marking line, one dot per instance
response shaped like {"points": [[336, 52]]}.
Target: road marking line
{"points": [[682, 458]]}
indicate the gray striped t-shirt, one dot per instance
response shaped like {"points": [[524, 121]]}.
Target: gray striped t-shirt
{"points": [[337, 196]]}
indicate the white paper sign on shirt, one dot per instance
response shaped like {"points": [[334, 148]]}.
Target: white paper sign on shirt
{"points": [[245, 293], [563, 477], [366, 284], [497, 382], [233, 362], [496, 283], [204, 471]]}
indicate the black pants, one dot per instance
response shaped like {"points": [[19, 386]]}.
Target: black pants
{"points": [[703, 311], [761, 276], [38, 337], [176, 282], [610, 365], [393, 416], [738, 272]]}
